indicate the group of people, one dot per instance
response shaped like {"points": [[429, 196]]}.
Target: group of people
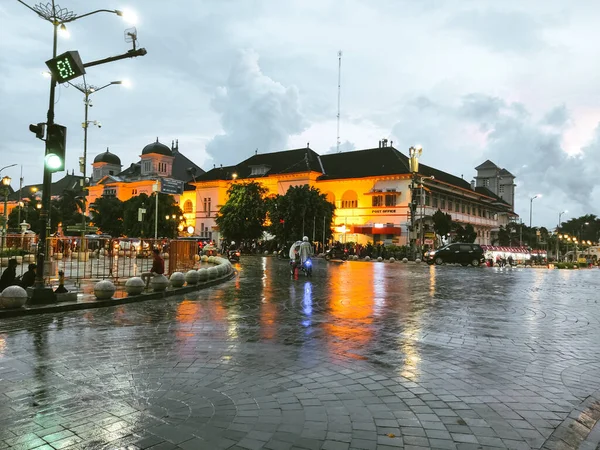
{"points": [[9, 276], [300, 252]]}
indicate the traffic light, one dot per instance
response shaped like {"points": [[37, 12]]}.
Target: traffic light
{"points": [[56, 145], [38, 129], [65, 67]]}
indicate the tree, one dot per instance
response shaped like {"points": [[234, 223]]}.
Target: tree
{"points": [[300, 212], [585, 228], [442, 224], [107, 215], [466, 234], [167, 206], [70, 206], [243, 215]]}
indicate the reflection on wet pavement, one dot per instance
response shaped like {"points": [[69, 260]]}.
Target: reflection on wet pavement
{"points": [[361, 355]]}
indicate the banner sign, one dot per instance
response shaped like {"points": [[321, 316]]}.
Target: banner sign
{"points": [[171, 186]]}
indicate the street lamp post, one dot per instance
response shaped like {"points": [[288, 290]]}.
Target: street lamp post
{"points": [[87, 90], [57, 16], [6, 194], [422, 215], [414, 154], [6, 184], [557, 235], [531, 207]]}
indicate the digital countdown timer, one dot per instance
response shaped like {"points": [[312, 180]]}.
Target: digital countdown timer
{"points": [[65, 67]]}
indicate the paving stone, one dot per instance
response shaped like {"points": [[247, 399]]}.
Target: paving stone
{"points": [[440, 357]]}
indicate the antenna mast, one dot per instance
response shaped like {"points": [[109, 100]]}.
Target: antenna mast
{"points": [[339, 95]]}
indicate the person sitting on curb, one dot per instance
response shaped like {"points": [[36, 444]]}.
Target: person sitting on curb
{"points": [[28, 278], [8, 276], [158, 267]]}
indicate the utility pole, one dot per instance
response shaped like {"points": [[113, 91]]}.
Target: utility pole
{"points": [[521, 234], [20, 198], [57, 16], [324, 218], [338, 99], [414, 154], [87, 90]]}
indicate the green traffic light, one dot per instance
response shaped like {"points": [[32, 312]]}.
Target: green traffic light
{"points": [[53, 162]]}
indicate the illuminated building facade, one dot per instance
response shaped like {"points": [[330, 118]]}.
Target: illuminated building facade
{"points": [[157, 161], [370, 188]]}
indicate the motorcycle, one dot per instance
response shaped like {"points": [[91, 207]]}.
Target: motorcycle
{"points": [[234, 255], [305, 268], [336, 253]]}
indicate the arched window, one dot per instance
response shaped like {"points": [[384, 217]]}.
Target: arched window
{"points": [[188, 207], [349, 200], [330, 197]]}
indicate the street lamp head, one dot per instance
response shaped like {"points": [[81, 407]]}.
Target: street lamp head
{"points": [[125, 83], [6, 180], [127, 15], [63, 31], [167, 217]]}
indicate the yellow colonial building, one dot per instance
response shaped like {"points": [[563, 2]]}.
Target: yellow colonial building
{"points": [[370, 189], [157, 163]]}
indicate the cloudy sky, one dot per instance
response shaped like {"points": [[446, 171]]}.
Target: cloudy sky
{"points": [[512, 81]]}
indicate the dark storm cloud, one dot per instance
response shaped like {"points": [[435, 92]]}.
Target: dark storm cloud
{"points": [[557, 117], [508, 134]]}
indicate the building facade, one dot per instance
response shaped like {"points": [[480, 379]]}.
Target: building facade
{"points": [[499, 181], [370, 188], [157, 161]]}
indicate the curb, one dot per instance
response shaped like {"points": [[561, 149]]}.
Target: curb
{"points": [[74, 306], [580, 429]]}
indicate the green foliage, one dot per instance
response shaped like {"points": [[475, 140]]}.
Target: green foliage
{"points": [[298, 213], [69, 207], [442, 224], [107, 215], [243, 215], [31, 215], [577, 227], [12, 252], [466, 234], [117, 218], [166, 207], [569, 265]]}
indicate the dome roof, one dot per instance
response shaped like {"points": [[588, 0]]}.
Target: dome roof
{"points": [[107, 157], [158, 148]]}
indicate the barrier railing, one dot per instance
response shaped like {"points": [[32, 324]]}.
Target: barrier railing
{"points": [[97, 258], [22, 247]]}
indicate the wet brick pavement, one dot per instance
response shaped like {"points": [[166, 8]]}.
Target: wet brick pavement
{"points": [[362, 356]]}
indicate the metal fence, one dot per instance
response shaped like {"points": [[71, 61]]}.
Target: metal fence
{"points": [[98, 258]]}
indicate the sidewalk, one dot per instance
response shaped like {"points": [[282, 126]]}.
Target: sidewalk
{"points": [[86, 298]]}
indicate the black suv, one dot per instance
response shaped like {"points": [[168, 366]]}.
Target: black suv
{"points": [[457, 253]]}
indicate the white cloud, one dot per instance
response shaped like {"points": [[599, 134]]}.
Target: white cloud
{"points": [[256, 112]]}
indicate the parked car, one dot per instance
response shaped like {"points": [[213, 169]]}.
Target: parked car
{"points": [[457, 253]]}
